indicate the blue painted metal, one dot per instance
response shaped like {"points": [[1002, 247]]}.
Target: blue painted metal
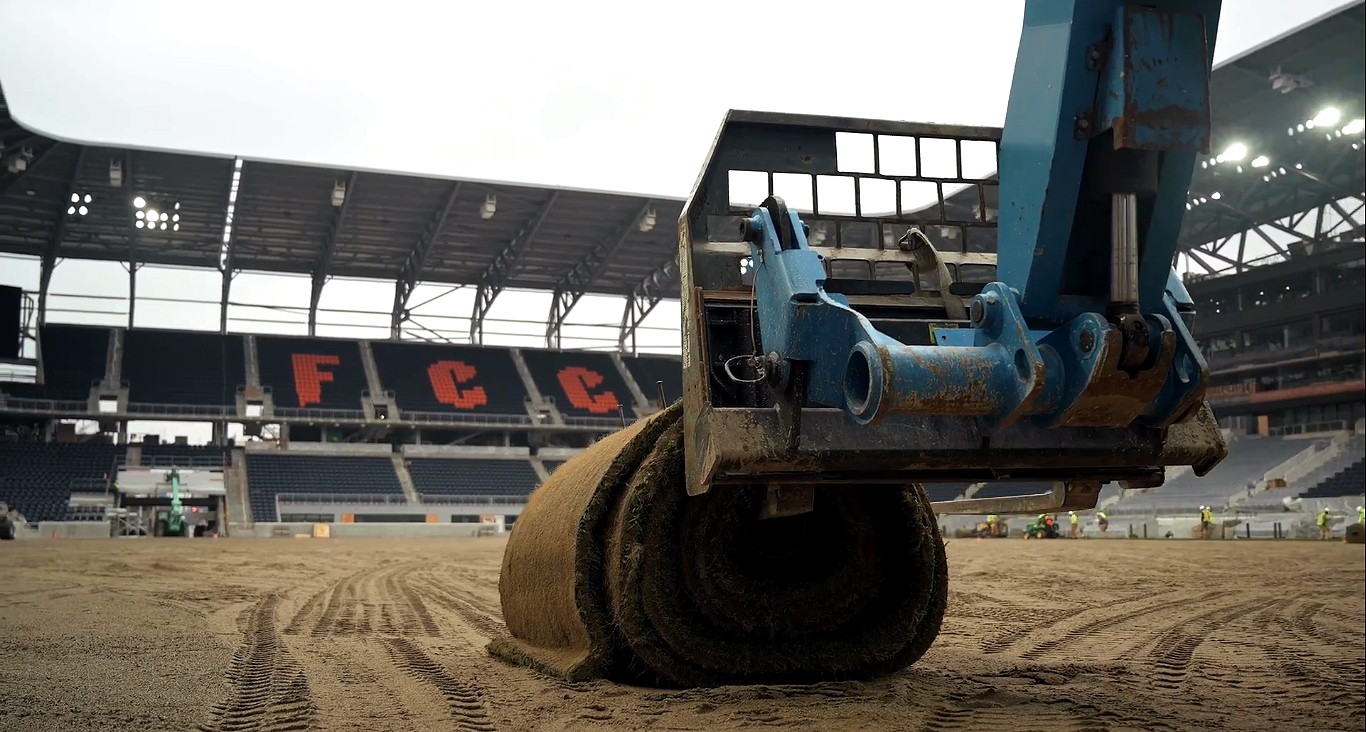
{"points": [[1107, 99], [1085, 68]]}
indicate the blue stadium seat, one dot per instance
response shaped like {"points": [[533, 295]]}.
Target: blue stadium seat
{"points": [[1350, 481], [183, 367], [648, 371], [271, 474], [472, 477], [449, 378], [582, 383], [37, 478], [307, 373], [944, 491], [74, 357]]}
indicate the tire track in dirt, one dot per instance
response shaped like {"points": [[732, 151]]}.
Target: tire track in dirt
{"points": [[473, 616], [400, 587], [337, 592], [1172, 652], [269, 691], [466, 700], [1103, 617]]}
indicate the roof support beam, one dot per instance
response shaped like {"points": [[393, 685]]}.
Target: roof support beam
{"points": [[54, 244], [494, 279], [329, 249], [411, 273], [648, 293], [575, 283]]}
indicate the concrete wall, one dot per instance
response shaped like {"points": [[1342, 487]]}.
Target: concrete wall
{"points": [[73, 530], [347, 531], [444, 510]]}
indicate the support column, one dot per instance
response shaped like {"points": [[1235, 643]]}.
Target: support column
{"points": [[132, 291], [44, 284]]}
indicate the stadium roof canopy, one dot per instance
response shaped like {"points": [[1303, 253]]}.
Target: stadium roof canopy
{"points": [[334, 222]]}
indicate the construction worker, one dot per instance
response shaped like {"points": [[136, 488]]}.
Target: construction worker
{"points": [[992, 521], [1074, 530], [1206, 521], [1103, 521], [1361, 515], [1325, 529]]}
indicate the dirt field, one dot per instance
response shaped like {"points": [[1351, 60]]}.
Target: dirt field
{"points": [[383, 635]]}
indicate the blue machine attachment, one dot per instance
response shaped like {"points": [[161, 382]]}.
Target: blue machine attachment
{"points": [[1108, 109]]}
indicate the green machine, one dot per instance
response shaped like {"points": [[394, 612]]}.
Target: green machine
{"points": [[171, 522]]}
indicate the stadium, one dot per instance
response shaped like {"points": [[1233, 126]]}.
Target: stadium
{"points": [[397, 429]]}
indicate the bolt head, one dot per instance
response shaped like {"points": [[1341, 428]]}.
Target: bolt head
{"points": [[977, 312], [1087, 341]]}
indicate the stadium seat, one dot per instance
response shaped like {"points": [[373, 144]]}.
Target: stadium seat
{"points": [[1351, 481], [74, 358], [448, 378], [37, 478], [648, 371], [472, 477], [272, 474], [582, 383], [305, 373], [1249, 458], [182, 367], [944, 491]]}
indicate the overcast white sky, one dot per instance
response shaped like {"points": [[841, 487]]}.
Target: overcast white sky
{"points": [[600, 94]]}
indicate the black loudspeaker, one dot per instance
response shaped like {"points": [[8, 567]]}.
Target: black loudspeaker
{"points": [[11, 298]]}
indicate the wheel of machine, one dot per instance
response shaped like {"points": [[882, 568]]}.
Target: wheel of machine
{"points": [[612, 570], [1354, 534]]}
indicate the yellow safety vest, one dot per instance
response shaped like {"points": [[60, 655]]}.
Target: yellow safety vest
{"points": [[1361, 515], [1073, 518], [1323, 519], [991, 519]]}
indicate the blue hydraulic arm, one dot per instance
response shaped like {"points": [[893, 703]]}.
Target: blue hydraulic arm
{"points": [[1108, 109]]}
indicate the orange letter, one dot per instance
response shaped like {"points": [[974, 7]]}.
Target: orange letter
{"points": [[577, 380], [308, 378], [444, 377]]}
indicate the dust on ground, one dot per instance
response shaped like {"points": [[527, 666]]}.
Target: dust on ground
{"points": [[387, 635]]}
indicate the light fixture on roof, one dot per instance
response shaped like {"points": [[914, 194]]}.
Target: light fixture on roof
{"points": [[115, 173], [647, 221], [138, 223], [1216, 195], [75, 198], [338, 194], [139, 202], [490, 206], [1286, 83], [1354, 127], [1327, 117], [1261, 161], [1233, 153]]}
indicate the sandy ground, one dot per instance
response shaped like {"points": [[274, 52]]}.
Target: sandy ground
{"points": [[389, 635]]}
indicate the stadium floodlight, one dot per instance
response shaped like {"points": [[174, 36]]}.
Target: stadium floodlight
{"points": [[83, 210], [647, 221], [1216, 195], [75, 198], [175, 227], [1354, 127], [87, 198], [175, 217], [70, 210], [338, 194], [489, 208], [138, 223], [115, 173], [139, 215], [165, 217], [1233, 153], [1327, 117], [139, 202], [151, 215], [1261, 161]]}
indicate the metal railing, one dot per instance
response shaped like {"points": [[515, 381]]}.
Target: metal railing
{"points": [[443, 500], [341, 498], [466, 419]]}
